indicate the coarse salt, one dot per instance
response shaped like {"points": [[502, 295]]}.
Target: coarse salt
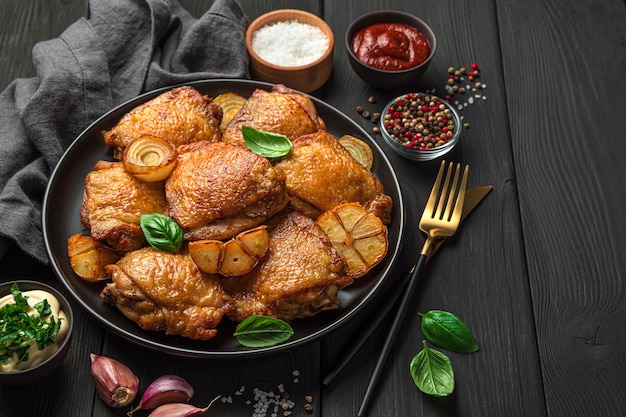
{"points": [[290, 43]]}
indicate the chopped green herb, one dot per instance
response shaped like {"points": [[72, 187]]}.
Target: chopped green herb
{"points": [[18, 328]]}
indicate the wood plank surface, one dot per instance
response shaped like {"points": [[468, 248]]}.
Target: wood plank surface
{"points": [[567, 75], [480, 275]]}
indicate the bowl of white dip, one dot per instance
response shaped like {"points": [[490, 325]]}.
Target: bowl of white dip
{"points": [[30, 307], [290, 47]]}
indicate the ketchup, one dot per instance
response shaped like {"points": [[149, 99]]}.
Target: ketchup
{"points": [[390, 46]]}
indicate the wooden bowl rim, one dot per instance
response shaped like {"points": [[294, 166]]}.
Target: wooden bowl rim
{"points": [[289, 14]]}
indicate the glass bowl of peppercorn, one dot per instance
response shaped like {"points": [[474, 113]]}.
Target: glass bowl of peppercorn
{"points": [[420, 126]]}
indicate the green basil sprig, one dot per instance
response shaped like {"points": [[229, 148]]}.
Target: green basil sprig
{"points": [[432, 372], [161, 232], [447, 331], [262, 331], [269, 145], [431, 369]]}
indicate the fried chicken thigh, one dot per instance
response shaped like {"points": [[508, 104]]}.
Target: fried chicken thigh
{"points": [[321, 174], [181, 115], [113, 202], [299, 276], [164, 291], [280, 111], [218, 190]]}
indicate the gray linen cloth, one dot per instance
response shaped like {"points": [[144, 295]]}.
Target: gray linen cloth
{"points": [[120, 50]]}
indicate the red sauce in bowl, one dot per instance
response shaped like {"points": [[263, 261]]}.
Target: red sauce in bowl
{"points": [[390, 46]]}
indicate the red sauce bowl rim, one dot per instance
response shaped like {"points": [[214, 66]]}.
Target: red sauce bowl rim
{"points": [[391, 16]]}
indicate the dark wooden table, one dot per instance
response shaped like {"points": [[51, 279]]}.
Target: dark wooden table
{"points": [[538, 272]]}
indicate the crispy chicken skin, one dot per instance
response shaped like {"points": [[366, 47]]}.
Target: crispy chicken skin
{"points": [[321, 174], [280, 111], [114, 200], [165, 291], [181, 115], [218, 190], [298, 277]]}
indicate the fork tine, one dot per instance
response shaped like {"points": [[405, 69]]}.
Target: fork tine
{"points": [[432, 199], [450, 204], [442, 198], [460, 200]]}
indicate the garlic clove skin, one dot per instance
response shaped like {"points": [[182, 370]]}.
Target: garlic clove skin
{"points": [[177, 410], [180, 410], [165, 389], [115, 383]]}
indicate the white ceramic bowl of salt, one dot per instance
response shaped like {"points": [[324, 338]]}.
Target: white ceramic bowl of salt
{"points": [[290, 47]]}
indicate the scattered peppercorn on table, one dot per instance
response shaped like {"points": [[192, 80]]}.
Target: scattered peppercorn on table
{"points": [[536, 271]]}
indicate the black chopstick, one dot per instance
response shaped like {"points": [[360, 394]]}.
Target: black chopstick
{"points": [[391, 336], [363, 337]]}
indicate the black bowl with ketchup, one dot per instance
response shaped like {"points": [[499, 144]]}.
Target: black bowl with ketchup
{"points": [[390, 49]]}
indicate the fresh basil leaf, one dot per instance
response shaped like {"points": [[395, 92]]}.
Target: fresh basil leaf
{"points": [[262, 331], [269, 145], [161, 232], [447, 331], [432, 372]]}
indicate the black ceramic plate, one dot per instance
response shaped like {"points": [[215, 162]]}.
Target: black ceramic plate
{"points": [[61, 219]]}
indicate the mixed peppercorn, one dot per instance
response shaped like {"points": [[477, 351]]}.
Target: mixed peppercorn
{"points": [[457, 77], [419, 121], [419, 131]]}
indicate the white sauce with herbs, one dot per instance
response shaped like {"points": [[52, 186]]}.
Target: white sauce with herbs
{"points": [[36, 356], [290, 43]]}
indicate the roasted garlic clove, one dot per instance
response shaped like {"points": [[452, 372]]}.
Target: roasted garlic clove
{"points": [[149, 158], [236, 257], [206, 254], [235, 261], [89, 257], [254, 242], [359, 237]]}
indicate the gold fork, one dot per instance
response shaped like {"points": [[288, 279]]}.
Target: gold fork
{"points": [[440, 219]]}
